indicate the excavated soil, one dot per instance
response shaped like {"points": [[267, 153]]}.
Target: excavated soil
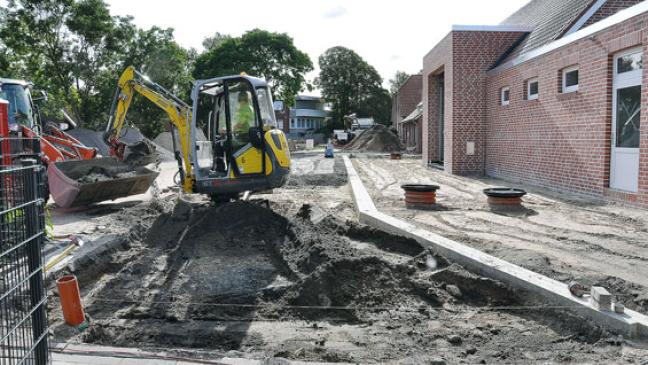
{"points": [[558, 235], [243, 279], [377, 139], [98, 174]]}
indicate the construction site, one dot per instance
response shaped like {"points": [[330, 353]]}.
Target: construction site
{"points": [[295, 274], [201, 214]]}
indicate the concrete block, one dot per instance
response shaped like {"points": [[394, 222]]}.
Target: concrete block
{"points": [[93, 249], [601, 298]]}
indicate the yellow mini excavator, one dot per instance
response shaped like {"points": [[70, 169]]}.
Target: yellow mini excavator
{"points": [[244, 150]]}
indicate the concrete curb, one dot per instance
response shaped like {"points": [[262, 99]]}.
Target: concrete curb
{"points": [[89, 251], [630, 323], [69, 354]]}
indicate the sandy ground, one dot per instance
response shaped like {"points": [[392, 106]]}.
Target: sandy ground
{"points": [[298, 278], [557, 235]]}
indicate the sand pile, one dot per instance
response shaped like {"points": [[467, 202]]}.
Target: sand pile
{"points": [[377, 139]]}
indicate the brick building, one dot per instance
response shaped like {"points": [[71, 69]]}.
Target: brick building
{"points": [[404, 104], [552, 97]]}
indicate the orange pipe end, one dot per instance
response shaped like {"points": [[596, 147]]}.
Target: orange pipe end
{"points": [[68, 288]]}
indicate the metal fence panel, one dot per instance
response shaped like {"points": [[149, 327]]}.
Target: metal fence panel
{"points": [[23, 323]]}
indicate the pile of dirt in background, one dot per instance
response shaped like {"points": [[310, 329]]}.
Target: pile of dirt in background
{"points": [[377, 139], [94, 139], [240, 279], [164, 139]]}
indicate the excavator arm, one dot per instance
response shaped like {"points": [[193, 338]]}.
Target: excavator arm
{"points": [[179, 113]]}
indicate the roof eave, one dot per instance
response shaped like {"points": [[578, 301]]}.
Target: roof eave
{"points": [[492, 28], [610, 21]]}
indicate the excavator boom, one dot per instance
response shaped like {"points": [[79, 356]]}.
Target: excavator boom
{"points": [[179, 114]]}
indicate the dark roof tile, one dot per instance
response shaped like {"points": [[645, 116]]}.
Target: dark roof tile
{"points": [[550, 19]]}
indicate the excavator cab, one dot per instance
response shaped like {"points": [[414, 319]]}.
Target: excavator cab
{"points": [[244, 150]]}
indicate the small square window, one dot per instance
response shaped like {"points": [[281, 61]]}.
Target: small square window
{"points": [[505, 95], [570, 80], [532, 89]]}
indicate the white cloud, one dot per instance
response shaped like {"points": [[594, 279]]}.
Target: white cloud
{"points": [[335, 12]]}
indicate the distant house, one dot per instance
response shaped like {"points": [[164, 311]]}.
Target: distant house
{"points": [[307, 116], [552, 97], [407, 111], [282, 115], [410, 129]]}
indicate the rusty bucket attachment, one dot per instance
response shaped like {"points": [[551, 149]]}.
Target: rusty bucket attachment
{"points": [[77, 183]]}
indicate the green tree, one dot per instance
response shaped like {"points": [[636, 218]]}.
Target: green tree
{"points": [[399, 79], [156, 54], [351, 85], [272, 56], [76, 50], [377, 105], [36, 40], [65, 47], [214, 41], [96, 45]]}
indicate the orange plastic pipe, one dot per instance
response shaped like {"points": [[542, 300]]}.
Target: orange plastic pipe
{"points": [[68, 288]]}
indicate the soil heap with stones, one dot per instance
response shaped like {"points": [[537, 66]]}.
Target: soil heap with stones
{"points": [[377, 139], [242, 280]]}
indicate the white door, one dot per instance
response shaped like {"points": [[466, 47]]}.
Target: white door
{"points": [[626, 111]]}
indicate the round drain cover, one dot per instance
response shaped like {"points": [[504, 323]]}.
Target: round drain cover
{"points": [[504, 192], [422, 188]]}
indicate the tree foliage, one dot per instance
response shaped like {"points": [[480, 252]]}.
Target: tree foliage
{"points": [[75, 50], [272, 56], [352, 86], [214, 41], [399, 79]]}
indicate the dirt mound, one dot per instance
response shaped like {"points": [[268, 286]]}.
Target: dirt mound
{"points": [[377, 139], [241, 277]]}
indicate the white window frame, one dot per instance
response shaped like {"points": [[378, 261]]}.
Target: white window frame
{"points": [[569, 89], [502, 101], [528, 88]]}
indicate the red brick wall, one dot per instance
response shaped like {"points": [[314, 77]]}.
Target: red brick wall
{"points": [[474, 53], [437, 61], [562, 141], [610, 7], [409, 95]]}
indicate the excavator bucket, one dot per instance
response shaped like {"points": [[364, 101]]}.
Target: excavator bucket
{"points": [[140, 153], [78, 183]]}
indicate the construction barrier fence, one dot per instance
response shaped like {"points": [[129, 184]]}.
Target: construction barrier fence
{"points": [[23, 322]]}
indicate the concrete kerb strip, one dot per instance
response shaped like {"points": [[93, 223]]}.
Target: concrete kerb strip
{"points": [[66, 353], [630, 323], [88, 252]]}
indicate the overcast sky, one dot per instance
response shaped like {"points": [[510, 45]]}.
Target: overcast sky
{"points": [[391, 35]]}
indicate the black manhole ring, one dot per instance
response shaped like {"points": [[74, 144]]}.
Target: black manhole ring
{"points": [[504, 192], [422, 188]]}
